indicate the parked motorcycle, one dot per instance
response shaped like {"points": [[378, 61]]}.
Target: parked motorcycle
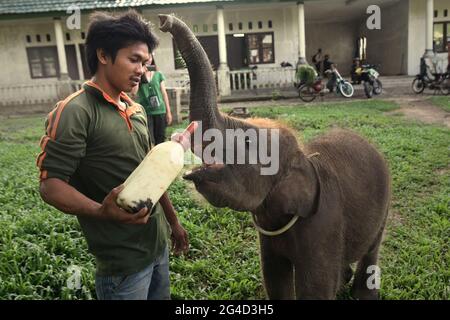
{"points": [[440, 83], [309, 91], [343, 87], [427, 78], [370, 78]]}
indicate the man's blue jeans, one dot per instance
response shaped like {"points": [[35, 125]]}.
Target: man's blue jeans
{"points": [[152, 283]]}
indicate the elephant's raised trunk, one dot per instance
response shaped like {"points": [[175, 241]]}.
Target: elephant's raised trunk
{"points": [[203, 99]]}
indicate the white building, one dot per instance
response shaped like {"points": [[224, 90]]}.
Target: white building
{"points": [[42, 41]]}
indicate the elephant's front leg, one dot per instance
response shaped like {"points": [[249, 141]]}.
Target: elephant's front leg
{"points": [[278, 273], [316, 280]]}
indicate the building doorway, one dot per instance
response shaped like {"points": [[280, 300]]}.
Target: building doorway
{"points": [[237, 52]]}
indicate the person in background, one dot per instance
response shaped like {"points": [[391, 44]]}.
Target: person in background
{"points": [[327, 63], [152, 95], [356, 71], [328, 67], [317, 60]]}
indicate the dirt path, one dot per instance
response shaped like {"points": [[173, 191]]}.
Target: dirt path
{"points": [[412, 107], [422, 110]]}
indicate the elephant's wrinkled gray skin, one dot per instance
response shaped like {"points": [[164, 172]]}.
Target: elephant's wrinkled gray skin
{"points": [[342, 195]]}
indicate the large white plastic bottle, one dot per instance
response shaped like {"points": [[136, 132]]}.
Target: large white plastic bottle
{"points": [[153, 176]]}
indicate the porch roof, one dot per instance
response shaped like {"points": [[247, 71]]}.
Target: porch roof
{"points": [[26, 7]]}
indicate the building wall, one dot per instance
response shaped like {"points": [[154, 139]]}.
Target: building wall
{"points": [[336, 39], [416, 35], [283, 26], [388, 46], [397, 46], [14, 62], [440, 5], [13, 56]]}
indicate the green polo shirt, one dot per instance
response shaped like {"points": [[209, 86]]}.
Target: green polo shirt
{"points": [[94, 144], [150, 95]]}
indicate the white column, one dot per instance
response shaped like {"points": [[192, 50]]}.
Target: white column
{"points": [[223, 70], [64, 74], [301, 32], [79, 63], [222, 38], [429, 27]]}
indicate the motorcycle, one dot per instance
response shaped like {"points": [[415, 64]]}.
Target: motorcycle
{"points": [[369, 76], [427, 78], [343, 87], [309, 91], [440, 83]]}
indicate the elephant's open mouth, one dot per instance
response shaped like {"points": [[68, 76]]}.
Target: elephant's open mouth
{"points": [[205, 172]]}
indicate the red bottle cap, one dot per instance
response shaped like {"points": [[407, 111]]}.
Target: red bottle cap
{"points": [[185, 138]]}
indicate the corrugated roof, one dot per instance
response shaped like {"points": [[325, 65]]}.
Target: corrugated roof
{"points": [[41, 6]]}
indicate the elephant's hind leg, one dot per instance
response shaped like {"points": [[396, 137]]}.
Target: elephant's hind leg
{"points": [[367, 275]]}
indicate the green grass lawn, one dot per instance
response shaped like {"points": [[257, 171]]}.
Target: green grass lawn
{"points": [[38, 244], [442, 101]]}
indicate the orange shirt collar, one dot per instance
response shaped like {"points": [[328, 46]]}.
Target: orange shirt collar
{"points": [[123, 96]]}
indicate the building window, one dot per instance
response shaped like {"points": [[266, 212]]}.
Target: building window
{"points": [[260, 25], [270, 24], [250, 25], [230, 26], [43, 62], [240, 26], [28, 39], [38, 38], [83, 35], [215, 27], [441, 36], [447, 35], [435, 13], [445, 13], [68, 36], [205, 28], [195, 28], [49, 38], [261, 48]]}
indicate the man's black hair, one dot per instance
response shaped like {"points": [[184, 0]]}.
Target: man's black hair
{"points": [[112, 33]]}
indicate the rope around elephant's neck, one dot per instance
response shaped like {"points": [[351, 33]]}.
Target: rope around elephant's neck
{"points": [[276, 232], [289, 224]]}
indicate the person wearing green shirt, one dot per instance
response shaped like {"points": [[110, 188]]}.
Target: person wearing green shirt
{"points": [[94, 139], [152, 95]]}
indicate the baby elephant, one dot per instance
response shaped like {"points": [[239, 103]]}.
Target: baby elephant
{"points": [[341, 195], [322, 210]]}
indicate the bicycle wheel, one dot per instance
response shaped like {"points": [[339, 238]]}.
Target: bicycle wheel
{"points": [[418, 85], [346, 89], [307, 93]]}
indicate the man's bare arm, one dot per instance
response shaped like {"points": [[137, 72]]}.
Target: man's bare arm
{"points": [[67, 199]]}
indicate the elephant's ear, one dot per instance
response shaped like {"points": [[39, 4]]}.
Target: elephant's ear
{"points": [[292, 196]]}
